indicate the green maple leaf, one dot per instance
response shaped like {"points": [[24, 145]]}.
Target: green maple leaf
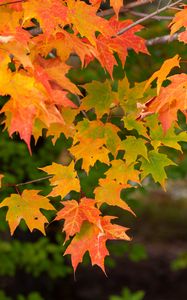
{"points": [[100, 97], [133, 147], [155, 166], [131, 123], [159, 138], [129, 97]]}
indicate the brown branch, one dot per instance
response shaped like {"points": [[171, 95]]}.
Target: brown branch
{"points": [[123, 9], [13, 2], [16, 185], [147, 17], [139, 14]]}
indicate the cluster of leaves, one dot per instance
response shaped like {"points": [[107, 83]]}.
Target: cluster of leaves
{"points": [[34, 57], [33, 258]]}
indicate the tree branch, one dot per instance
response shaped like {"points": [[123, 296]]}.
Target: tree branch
{"points": [[16, 185], [147, 17], [139, 14], [110, 11], [12, 2], [162, 39]]}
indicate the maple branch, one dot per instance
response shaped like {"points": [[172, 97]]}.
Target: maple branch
{"points": [[13, 2], [162, 39], [16, 185], [125, 8], [139, 14], [147, 17]]}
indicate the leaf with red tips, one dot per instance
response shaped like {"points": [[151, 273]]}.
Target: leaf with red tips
{"points": [[93, 239], [75, 214], [120, 44]]}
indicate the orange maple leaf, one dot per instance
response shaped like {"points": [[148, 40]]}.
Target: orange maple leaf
{"points": [[76, 213], [93, 239]]}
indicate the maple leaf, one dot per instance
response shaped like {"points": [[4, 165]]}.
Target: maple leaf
{"points": [[121, 172], [68, 129], [64, 179], [120, 44], [109, 192], [93, 239], [99, 130], [100, 97], [158, 138], [131, 99], [131, 123], [13, 38], [116, 4], [27, 206], [21, 110], [179, 21], [133, 147], [41, 10], [171, 99], [163, 72], [155, 166], [49, 70], [90, 151], [76, 213], [84, 20]]}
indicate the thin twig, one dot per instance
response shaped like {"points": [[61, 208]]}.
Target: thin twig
{"points": [[110, 11], [16, 185], [13, 2], [139, 14], [35, 180], [147, 17]]}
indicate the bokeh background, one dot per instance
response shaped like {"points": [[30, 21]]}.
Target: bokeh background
{"points": [[153, 266]]}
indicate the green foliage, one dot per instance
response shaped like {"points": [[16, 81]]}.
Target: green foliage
{"points": [[180, 262], [128, 295], [33, 258], [31, 296]]}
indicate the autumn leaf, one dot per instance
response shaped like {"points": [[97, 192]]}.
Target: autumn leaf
{"points": [[171, 99], [109, 192], [158, 138], [27, 206], [131, 123], [75, 214], [100, 97], [90, 151], [98, 130], [122, 173], [162, 74], [133, 147], [56, 9], [93, 239], [131, 98], [64, 179], [107, 45], [116, 4], [179, 21], [84, 20], [155, 165]]}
